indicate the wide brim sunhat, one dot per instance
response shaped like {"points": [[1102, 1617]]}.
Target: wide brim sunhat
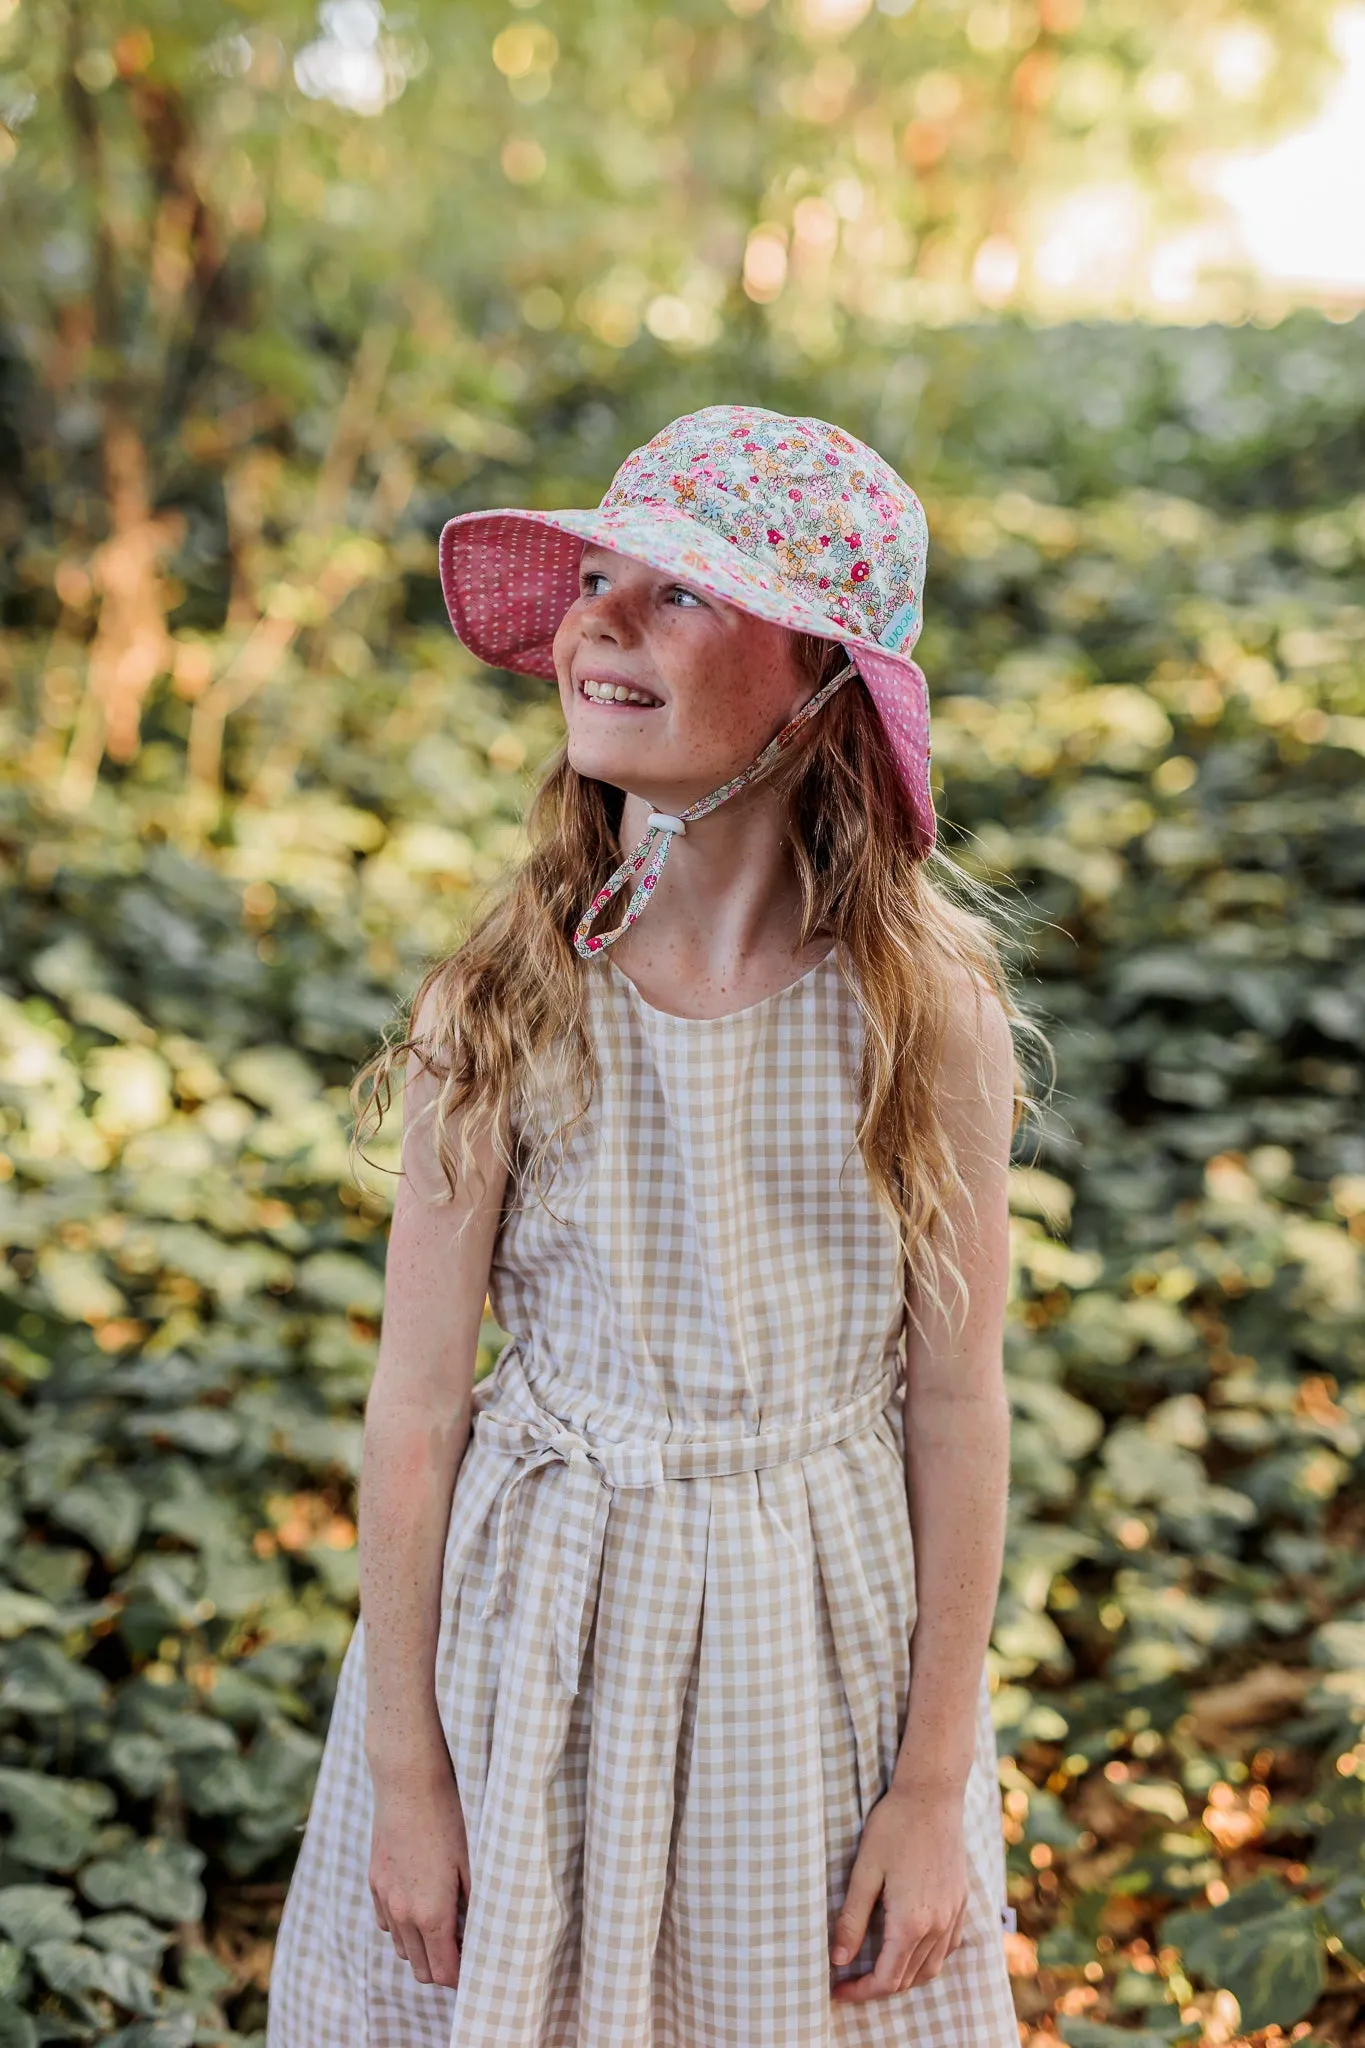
{"points": [[791, 519]]}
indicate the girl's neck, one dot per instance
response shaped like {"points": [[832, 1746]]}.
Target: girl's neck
{"points": [[723, 928]]}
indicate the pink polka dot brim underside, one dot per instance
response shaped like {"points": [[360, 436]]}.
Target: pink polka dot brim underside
{"points": [[509, 576]]}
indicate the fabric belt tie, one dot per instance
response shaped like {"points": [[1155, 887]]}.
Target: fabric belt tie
{"points": [[597, 1467]]}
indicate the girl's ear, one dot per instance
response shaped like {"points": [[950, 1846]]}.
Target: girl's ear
{"points": [[816, 659], [807, 652]]}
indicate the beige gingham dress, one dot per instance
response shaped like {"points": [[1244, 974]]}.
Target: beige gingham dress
{"points": [[678, 1590]]}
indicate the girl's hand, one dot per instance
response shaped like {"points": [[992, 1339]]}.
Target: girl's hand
{"points": [[419, 1867], [912, 1848]]}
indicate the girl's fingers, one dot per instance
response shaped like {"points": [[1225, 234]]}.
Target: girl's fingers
{"points": [[880, 1981], [929, 1955], [443, 1954], [927, 1960], [909, 1946], [444, 1940], [907, 1958], [885, 1975], [432, 1953], [850, 1929], [414, 1953]]}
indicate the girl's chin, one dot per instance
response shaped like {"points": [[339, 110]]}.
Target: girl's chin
{"points": [[624, 766]]}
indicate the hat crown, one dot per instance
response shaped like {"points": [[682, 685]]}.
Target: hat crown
{"points": [[817, 508]]}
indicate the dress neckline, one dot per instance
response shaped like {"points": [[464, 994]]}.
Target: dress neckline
{"points": [[727, 1016]]}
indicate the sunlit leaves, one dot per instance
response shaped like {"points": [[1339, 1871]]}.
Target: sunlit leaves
{"points": [[1260, 1945]]}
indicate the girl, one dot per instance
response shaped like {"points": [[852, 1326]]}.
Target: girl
{"points": [[669, 1727]]}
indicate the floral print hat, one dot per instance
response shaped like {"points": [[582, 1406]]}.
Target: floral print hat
{"points": [[793, 520]]}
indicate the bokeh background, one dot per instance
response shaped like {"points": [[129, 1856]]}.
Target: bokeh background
{"points": [[281, 289]]}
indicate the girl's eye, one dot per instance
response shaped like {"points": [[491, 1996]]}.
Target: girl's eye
{"points": [[594, 581]]}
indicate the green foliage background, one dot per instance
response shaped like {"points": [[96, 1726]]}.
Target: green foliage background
{"points": [[255, 347]]}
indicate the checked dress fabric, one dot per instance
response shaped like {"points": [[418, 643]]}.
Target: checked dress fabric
{"points": [[678, 1590]]}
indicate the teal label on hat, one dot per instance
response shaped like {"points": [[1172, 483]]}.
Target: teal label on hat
{"points": [[898, 631]]}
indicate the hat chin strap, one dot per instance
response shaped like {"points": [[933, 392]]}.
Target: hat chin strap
{"points": [[647, 860]]}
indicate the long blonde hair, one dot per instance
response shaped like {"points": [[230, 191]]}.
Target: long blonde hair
{"points": [[509, 1034]]}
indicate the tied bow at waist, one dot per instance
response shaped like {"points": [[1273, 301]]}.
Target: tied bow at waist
{"points": [[596, 1467]]}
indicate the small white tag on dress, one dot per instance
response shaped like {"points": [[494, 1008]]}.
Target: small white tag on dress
{"points": [[1009, 1919]]}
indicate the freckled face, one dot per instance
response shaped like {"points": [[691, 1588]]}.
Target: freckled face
{"points": [[667, 691]]}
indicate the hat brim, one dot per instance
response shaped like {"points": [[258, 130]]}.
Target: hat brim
{"points": [[510, 575]]}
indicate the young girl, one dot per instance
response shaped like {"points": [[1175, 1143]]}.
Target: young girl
{"points": [[668, 1726]]}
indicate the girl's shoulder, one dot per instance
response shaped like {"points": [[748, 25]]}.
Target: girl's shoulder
{"points": [[978, 1060]]}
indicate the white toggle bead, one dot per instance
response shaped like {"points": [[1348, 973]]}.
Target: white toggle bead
{"points": [[665, 821]]}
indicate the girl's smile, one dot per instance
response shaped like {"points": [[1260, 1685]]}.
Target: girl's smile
{"points": [[615, 690]]}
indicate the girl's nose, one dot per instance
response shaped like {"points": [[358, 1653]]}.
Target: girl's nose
{"points": [[611, 617]]}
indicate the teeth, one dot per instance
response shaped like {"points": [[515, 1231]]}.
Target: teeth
{"points": [[614, 693]]}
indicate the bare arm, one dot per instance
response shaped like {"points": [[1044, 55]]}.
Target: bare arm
{"points": [[957, 1422], [417, 1424], [957, 1472]]}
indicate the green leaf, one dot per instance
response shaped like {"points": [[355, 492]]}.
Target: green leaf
{"points": [[74, 1968], [1066, 1948], [38, 1912], [163, 1584], [1158, 1796], [208, 1432], [1340, 1645], [275, 1076], [1199, 1932], [54, 1822], [16, 2027], [40, 1679], [1340, 1849], [1264, 1949], [130, 1934], [54, 1570], [158, 1878], [197, 1514], [175, 2030], [1343, 1909], [141, 1762], [1082, 2033], [20, 1612], [105, 1508], [340, 1281]]}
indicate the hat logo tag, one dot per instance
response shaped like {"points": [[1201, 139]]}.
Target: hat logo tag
{"points": [[898, 628]]}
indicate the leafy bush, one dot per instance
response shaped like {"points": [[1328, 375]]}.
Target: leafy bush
{"points": [[1145, 648]]}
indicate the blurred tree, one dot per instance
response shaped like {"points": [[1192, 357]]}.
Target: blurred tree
{"points": [[265, 266]]}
